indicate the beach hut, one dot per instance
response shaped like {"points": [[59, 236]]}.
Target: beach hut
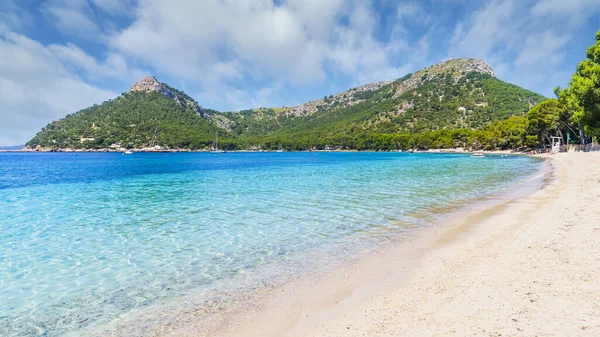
{"points": [[556, 142]]}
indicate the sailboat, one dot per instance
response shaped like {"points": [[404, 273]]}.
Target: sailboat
{"points": [[280, 149], [216, 146], [154, 143]]}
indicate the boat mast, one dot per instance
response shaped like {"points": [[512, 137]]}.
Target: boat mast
{"points": [[154, 139]]}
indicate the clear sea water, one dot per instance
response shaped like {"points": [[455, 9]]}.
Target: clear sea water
{"points": [[86, 238]]}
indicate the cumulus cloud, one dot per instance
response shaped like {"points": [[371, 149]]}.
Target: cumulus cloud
{"points": [[515, 38], [36, 87], [213, 45], [222, 41], [186, 39], [115, 66], [248, 53], [240, 99]]}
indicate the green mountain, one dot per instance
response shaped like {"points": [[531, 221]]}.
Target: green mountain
{"points": [[132, 120], [461, 94], [457, 94]]}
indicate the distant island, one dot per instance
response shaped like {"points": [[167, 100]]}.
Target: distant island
{"points": [[454, 104], [11, 148]]}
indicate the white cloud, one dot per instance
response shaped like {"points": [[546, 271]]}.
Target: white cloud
{"points": [[115, 66], [239, 99], [413, 12], [571, 12], [188, 43], [544, 48], [245, 53], [489, 28], [218, 43], [13, 16], [36, 87], [515, 37], [72, 17]]}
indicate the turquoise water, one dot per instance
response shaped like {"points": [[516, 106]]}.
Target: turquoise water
{"points": [[86, 238]]}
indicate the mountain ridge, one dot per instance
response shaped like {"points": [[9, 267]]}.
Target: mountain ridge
{"points": [[468, 65], [457, 93], [149, 84]]}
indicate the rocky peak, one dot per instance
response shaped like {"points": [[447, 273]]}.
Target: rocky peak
{"points": [[457, 68], [466, 65], [481, 66], [151, 84], [343, 99]]}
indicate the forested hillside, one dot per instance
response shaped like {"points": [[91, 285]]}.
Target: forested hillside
{"points": [[455, 95], [440, 106], [130, 120]]}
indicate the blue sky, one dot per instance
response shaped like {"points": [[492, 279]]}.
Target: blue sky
{"points": [[59, 56]]}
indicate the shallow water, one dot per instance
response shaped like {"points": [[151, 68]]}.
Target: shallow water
{"points": [[86, 238]]}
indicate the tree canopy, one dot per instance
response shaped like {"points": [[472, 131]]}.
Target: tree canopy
{"points": [[582, 96], [545, 119], [444, 106]]}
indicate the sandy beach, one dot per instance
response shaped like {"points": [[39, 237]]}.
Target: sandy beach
{"points": [[523, 265], [528, 267]]}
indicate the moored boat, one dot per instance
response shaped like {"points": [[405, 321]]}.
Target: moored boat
{"points": [[216, 146]]}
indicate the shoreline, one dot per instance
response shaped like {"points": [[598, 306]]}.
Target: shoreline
{"points": [[319, 299], [524, 267], [308, 293], [430, 151]]}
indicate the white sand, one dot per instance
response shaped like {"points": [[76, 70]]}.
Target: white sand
{"points": [[527, 268]]}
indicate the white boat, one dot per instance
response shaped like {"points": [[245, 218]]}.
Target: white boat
{"points": [[477, 154], [216, 146], [280, 149], [128, 152]]}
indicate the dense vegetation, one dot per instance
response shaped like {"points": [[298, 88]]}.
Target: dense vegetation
{"points": [[131, 120], [429, 116], [511, 133], [443, 106], [575, 114], [579, 103]]}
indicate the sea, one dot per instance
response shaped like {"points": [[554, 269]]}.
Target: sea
{"points": [[89, 238]]}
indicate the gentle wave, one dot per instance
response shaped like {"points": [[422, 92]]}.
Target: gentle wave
{"points": [[86, 239]]}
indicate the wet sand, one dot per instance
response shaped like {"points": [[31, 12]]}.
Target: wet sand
{"points": [[528, 267], [526, 263]]}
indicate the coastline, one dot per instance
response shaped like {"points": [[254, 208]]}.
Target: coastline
{"points": [[104, 150], [524, 267], [296, 302]]}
